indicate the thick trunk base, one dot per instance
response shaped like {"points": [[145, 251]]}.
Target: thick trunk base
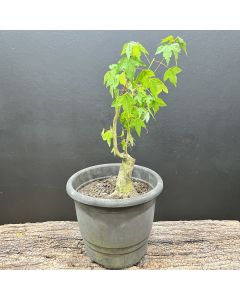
{"points": [[124, 185]]}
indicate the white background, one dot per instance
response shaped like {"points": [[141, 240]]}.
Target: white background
{"points": [[113, 15]]}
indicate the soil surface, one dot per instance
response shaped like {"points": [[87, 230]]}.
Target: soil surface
{"points": [[103, 188]]}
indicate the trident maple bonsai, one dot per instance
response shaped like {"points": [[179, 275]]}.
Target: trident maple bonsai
{"points": [[135, 86]]}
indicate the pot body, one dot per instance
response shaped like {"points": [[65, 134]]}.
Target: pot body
{"points": [[115, 231]]}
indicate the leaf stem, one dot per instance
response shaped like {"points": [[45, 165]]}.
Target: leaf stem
{"points": [[147, 58], [160, 63], [151, 63]]}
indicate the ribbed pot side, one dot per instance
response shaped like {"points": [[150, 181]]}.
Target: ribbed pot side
{"points": [[115, 231]]}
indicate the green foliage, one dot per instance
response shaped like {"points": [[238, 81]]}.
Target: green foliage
{"points": [[168, 50], [171, 74], [107, 136], [135, 83], [133, 49], [171, 46]]}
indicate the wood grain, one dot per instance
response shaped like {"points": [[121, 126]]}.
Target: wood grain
{"points": [[172, 245]]}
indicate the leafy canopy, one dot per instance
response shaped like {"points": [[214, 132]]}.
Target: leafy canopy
{"points": [[137, 84]]}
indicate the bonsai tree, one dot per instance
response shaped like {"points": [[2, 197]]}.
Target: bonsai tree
{"points": [[136, 88]]}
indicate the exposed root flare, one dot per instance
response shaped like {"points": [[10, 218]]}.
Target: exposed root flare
{"points": [[124, 185], [118, 195]]}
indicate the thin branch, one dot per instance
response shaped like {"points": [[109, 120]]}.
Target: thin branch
{"points": [[151, 63], [160, 63], [127, 141], [115, 142], [164, 65], [147, 58]]}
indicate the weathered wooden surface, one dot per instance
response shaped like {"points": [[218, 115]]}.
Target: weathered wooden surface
{"points": [[172, 245]]}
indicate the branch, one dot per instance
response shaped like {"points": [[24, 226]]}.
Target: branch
{"points": [[146, 58], [151, 63], [160, 63], [115, 143], [127, 141]]}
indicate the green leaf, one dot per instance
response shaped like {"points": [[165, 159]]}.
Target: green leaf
{"points": [[113, 83], [106, 77], [124, 48], [146, 116], [168, 39], [182, 44], [130, 139], [160, 102], [107, 136], [133, 49], [157, 86], [138, 124], [149, 99], [113, 67], [136, 52], [143, 113], [150, 112], [125, 100], [129, 66], [122, 78], [111, 79], [143, 49], [176, 49], [157, 103], [167, 51], [144, 76], [171, 75], [140, 98]]}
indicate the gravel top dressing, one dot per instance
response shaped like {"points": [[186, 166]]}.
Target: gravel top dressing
{"points": [[103, 188]]}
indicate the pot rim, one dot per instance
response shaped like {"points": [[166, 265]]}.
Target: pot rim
{"points": [[113, 203]]}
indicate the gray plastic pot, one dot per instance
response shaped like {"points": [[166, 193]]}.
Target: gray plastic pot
{"points": [[115, 231]]}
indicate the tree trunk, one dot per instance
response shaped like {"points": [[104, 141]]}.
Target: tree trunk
{"points": [[124, 185]]}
